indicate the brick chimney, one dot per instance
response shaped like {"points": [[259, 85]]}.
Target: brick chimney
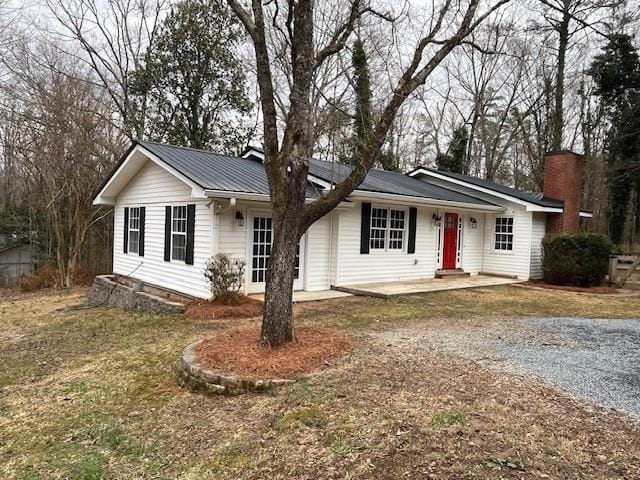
{"points": [[563, 181]]}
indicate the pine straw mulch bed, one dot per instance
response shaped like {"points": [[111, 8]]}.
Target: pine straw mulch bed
{"points": [[214, 310], [600, 290], [239, 351]]}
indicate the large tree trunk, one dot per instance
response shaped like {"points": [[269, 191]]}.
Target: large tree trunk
{"points": [[287, 225], [277, 323]]}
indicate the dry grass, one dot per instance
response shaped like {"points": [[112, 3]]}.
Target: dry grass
{"points": [[238, 351], [89, 394]]}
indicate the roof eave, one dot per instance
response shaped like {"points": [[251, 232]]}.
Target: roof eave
{"points": [[414, 200], [530, 206], [251, 197]]}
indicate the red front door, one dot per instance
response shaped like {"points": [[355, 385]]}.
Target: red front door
{"points": [[450, 242]]}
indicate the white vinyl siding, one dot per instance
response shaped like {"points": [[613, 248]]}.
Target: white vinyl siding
{"points": [[472, 242], [233, 239], [318, 252], [155, 188], [539, 228], [352, 267], [510, 262]]}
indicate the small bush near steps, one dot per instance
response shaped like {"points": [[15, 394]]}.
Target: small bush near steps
{"points": [[576, 259]]}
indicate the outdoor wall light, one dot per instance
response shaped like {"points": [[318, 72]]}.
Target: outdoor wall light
{"points": [[239, 218], [473, 222], [436, 219]]}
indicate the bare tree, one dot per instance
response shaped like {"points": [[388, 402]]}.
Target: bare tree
{"points": [[65, 145], [287, 152], [566, 19], [112, 37]]}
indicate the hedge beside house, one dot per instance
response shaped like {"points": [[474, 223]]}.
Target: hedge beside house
{"points": [[578, 259]]}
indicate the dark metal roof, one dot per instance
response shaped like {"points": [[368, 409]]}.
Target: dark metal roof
{"points": [[212, 171], [382, 181], [531, 197]]}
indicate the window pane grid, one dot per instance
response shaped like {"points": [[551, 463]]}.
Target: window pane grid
{"points": [[387, 229], [179, 233], [504, 233], [378, 228], [134, 230], [261, 249], [396, 230]]}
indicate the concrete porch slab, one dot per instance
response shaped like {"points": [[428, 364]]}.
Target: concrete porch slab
{"points": [[389, 289], [309, 296]]}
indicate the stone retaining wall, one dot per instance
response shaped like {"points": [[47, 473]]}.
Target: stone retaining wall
{"points": [[105, 291], [193, 376]]}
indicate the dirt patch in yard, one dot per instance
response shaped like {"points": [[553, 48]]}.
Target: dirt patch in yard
{"points": [[239, 351], [214, 310]]}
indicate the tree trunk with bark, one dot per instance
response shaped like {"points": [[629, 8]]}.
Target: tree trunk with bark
{"points": [[287, 155]]}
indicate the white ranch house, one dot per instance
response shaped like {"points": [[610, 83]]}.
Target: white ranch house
{"points": [[177, 207]]}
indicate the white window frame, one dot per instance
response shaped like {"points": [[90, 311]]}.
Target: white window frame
{"points": [[387, 229], [255, 287], [132, 229], [178, 232], [510, 236], [459, 243], [373, 228]]}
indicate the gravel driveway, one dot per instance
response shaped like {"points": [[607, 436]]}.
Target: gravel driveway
{"points": [[596, 359]]}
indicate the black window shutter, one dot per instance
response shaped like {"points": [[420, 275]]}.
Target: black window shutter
{"points": [[167, 233], [141, 234], [191, 226], [365, 226], [125, 247], [413, 215]]}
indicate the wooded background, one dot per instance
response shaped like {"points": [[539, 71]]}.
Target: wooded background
{"points": [[80, 79]]}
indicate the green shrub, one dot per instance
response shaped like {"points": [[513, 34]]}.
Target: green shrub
{"points": [[578, 259], [226, 277]]}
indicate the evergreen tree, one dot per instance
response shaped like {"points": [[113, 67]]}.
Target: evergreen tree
{"points": [[194, 79], [455, 158], [616, 72], [362, 86]]}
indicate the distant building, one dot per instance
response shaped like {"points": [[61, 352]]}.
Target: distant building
{"points": [[16, 259]]}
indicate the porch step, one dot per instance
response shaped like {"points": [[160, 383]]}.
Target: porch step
{"points": [[458, 272]]}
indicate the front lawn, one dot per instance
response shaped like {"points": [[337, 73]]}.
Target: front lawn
{"points": [[90, 394]]}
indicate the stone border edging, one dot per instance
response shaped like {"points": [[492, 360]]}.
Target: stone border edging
{"points": [[193, 376]]}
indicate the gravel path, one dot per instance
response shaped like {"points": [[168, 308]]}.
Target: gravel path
{"points": [[598, 359]]}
